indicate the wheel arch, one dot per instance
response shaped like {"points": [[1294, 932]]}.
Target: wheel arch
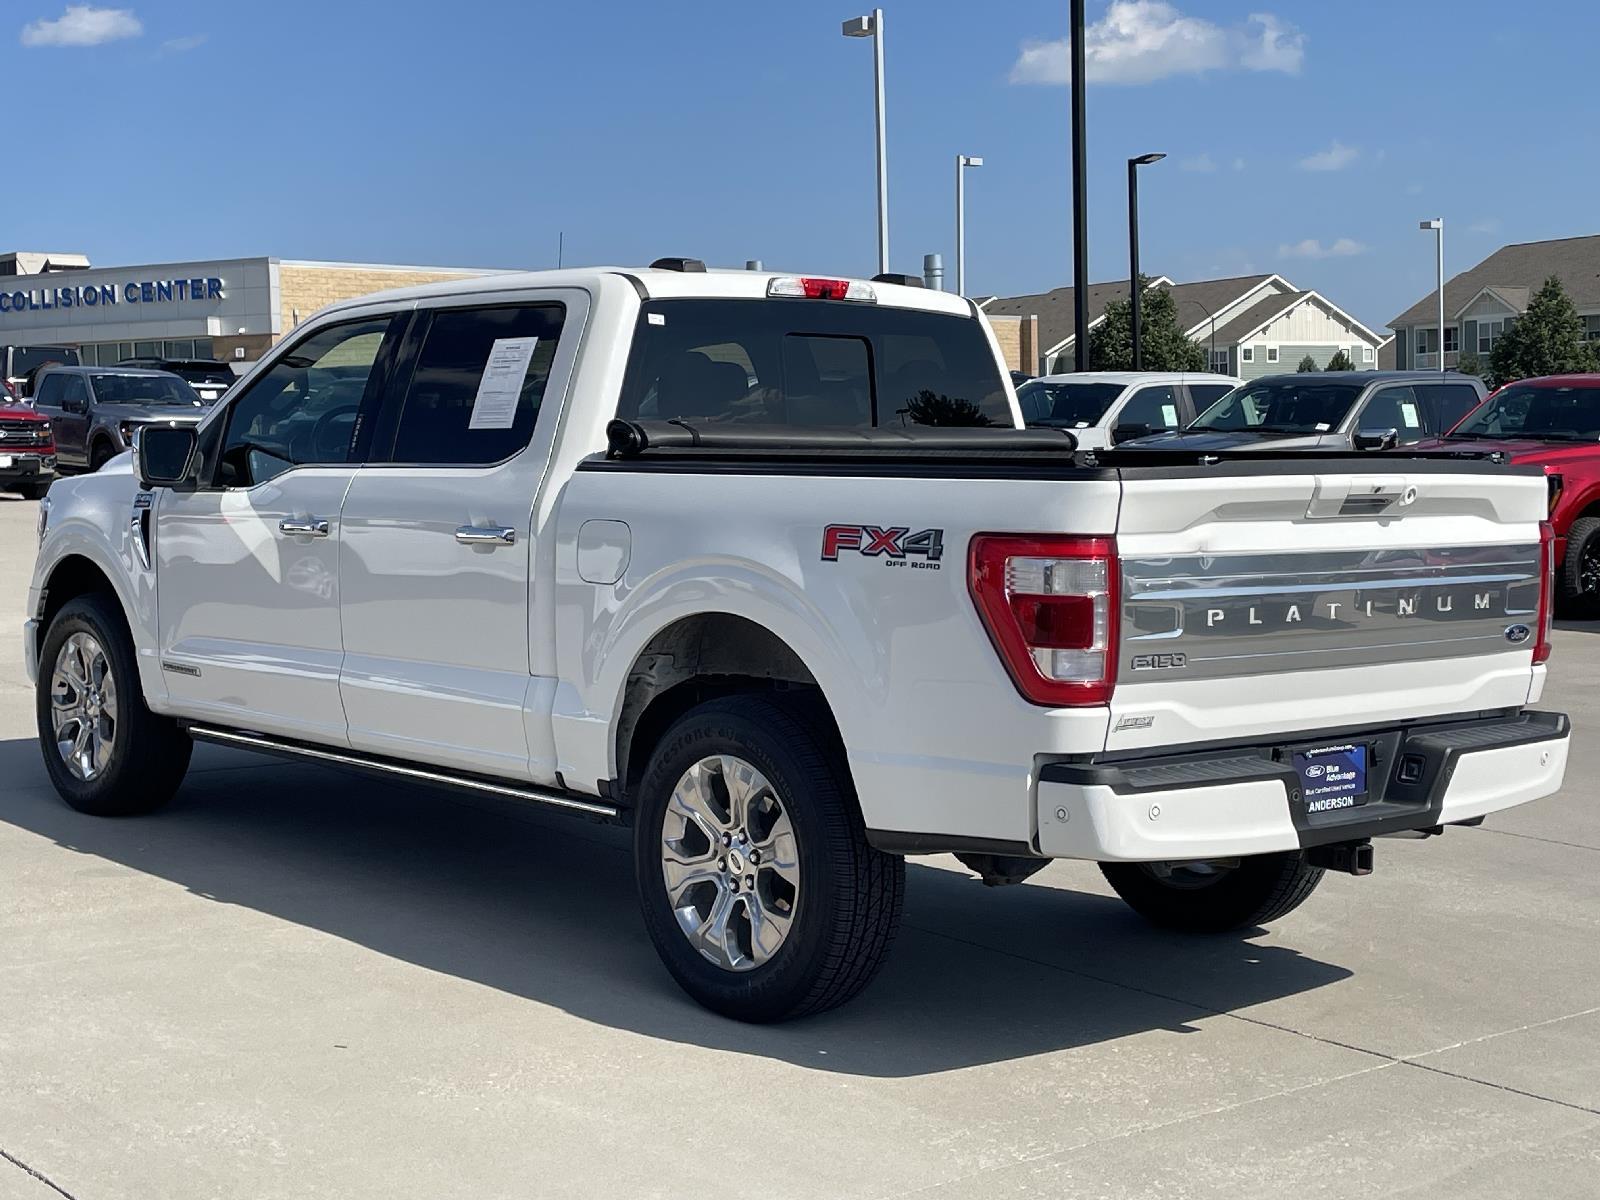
{"points": [[697, 658]]}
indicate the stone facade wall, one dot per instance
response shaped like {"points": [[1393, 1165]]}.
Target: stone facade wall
{"points": [[302, 290]]}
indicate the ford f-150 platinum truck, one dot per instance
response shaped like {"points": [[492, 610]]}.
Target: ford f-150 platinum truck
{"points": [[719, 556]]}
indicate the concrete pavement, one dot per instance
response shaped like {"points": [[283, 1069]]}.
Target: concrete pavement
{"points": [[297, 983]]}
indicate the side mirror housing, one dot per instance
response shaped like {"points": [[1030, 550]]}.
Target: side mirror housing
{"points": [[1377, 439], [164, 456], [1126, 433]]}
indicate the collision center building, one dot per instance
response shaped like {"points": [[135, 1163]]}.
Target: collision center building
{"points": [[231, 309]]}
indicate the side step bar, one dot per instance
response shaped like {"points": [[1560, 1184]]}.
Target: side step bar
{"points": [[266, 744]]}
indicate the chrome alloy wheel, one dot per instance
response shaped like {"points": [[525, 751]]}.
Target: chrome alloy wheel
{"points": [[730, 862], [83, 706]]}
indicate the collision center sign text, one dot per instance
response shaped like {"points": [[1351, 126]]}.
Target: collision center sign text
{"points": [[104, 295]]}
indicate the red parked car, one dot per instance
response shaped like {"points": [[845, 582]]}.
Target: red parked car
{"points": [[1553, 422], [27, 449]]}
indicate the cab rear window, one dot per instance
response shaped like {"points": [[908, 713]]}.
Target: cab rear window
{"points": [[812, 363]]}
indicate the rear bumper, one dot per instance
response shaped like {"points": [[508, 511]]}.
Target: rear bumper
{"points": [[1243, 800]]}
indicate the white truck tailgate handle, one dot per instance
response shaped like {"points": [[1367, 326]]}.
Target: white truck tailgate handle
{"points": [[307, 527], [486, 535]]}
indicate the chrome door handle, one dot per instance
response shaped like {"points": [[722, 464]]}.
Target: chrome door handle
{"points": [[312, 527], [486, 535]]}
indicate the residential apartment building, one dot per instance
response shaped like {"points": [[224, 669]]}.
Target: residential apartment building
{"points": [[1250, 325], [1482, 302]]}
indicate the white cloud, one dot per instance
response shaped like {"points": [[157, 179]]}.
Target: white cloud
{"points": [[1335, 158], [1311, 248], [180, 45], [83, 25], [1139, 41], [1202, 163]]}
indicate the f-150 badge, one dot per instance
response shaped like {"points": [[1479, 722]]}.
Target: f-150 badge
{"points": [[896, 545]]}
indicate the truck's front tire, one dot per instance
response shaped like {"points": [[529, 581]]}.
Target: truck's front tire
{"points": [[1205, 897], [758, 886], [106, 753]]}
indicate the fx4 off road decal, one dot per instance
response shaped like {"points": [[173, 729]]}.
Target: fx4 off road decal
{"points": [[897, 545]]}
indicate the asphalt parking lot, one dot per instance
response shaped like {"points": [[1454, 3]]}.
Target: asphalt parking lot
{"points": [[294, 982]]}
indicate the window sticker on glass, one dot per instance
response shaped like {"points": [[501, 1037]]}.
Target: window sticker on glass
{"points": [[495, 406], [1408, 414], [1323, 427], [655, 318], [1169, 414]]}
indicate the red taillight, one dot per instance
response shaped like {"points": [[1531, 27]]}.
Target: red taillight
{"points": [[1050, 606], [1547, 557]]}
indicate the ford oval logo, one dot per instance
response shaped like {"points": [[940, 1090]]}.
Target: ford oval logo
{"points": [[1516, 634], [1316, 771]]}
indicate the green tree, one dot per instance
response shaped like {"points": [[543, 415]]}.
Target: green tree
{"points": [[1340, 362], [1546, 340], [1307, 364], [1468, 363], [1162, 345]]}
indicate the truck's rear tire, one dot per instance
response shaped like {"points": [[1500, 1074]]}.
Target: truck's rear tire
{"points": [[758, 886], [1579, 575], [1213, 898], [106, 753]]}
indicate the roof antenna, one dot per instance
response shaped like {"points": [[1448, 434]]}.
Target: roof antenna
{"points": [[561, 246]]}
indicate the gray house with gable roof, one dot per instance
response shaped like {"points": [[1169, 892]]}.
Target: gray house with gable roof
{"points": [[1482, 302]]}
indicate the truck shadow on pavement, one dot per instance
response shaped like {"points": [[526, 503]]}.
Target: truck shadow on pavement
{"points": [[543, 907]]}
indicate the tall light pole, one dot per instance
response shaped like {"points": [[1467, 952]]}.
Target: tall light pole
{"points": [[1144, 160], [1080, 197], [872, 27], [963, 161], [1437, 225]]}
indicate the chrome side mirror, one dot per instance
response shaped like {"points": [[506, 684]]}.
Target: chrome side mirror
{"points": [[1377, 439]]}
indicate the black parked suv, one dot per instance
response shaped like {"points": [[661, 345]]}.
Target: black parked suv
{"points": [[94, 410], [209, 377]]}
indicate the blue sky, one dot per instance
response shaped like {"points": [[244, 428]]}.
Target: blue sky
{"points": [[1304, 138]]}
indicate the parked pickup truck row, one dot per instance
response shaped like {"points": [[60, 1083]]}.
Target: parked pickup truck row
{"points": [[725, 558]]}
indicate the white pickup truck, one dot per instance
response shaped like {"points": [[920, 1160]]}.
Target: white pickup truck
{"points": [[677, 549]]}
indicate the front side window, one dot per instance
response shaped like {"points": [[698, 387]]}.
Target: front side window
{"points": [[1150, 409], [306, 409], [1448, 403], [479, 381], [1283, 407], [1394, 408], [1551, 414], [812, 363]]}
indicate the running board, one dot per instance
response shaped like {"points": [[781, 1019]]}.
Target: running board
{"points": [[266, 744]]}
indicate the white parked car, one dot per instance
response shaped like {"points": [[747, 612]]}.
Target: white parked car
{"points": [[669, 548], [1103, 408]]}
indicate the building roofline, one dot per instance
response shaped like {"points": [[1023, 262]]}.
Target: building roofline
{"points": [[1299, 298]]}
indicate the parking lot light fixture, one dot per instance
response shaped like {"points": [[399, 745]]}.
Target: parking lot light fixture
{"points": [[963, 161], [1437, 225], [872, 27], [1144, 160]]}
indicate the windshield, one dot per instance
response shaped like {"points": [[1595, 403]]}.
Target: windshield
{"points": [[143, 389], [31, 358], [1066, 405], [1554, 414], [1285, 406]]}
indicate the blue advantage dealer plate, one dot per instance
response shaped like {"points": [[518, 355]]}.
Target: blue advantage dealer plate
{"points": [[1332, 776]]}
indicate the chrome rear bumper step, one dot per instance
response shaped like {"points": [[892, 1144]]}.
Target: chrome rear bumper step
{"points": [[437, 777]]}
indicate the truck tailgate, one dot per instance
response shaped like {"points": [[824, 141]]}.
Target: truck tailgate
{"points": [[1253, 599]]}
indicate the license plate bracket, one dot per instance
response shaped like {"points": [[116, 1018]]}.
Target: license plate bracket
{"points": [[1332, 776]]}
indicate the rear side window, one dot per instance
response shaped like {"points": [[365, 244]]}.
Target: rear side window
{"points": [[811, 363], [478, 383], [48, 393], [1207, 394], [1450, 402]]}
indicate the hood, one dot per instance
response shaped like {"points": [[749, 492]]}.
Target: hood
{"points": [[181, 413], [1522, 450], [20, 412], [1200, 440]]}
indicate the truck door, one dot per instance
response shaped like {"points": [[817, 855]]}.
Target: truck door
{"points": [[248, 564], [440, 556]]}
